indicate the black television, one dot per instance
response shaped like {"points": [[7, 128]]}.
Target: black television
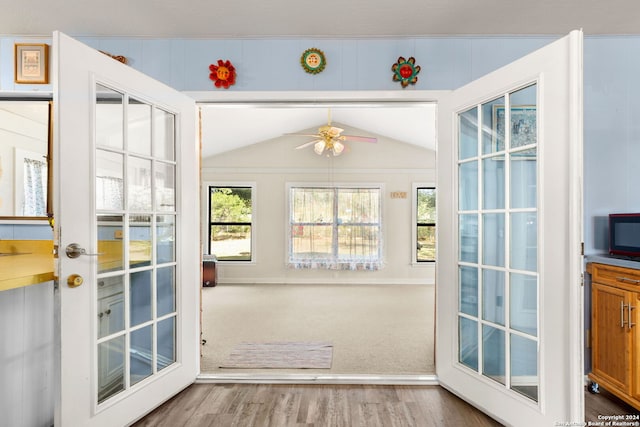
{"points": [[624, 234]]}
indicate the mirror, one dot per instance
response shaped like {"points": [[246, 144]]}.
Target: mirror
{"points": [[25, 154]]}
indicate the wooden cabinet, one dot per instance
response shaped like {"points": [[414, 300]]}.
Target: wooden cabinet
{"points": [[615, 307]]}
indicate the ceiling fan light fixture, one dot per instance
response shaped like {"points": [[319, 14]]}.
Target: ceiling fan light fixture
{"points": [[337, 148], [330, 139], [318, 147]]}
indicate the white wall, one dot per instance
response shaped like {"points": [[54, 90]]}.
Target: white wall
{"points": [[273, 164], [26, 356]]}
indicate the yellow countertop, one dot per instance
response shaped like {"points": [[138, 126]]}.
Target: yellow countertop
{"points": [[29, 262], [25, 262]]}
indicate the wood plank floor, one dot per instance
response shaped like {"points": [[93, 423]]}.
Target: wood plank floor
{"points": [[283, 405], [605, 403]]}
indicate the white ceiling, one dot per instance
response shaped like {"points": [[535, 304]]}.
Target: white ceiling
{"points": [[229, 127], [317, 18]]}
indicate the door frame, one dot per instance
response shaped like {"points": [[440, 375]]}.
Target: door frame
{"points": [[442, 98], [365, 98]]}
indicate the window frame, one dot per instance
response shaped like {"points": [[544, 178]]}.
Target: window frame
{"points": [[208, 223], [336, 264], [414, 223]]}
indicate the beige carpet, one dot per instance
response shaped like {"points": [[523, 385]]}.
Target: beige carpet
{"points": [[374, 329]]}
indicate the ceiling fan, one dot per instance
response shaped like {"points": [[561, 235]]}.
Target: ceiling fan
{"points": [[330, 139]]}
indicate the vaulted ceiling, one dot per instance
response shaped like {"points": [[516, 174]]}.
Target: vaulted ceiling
{"points": [[227, 128]]}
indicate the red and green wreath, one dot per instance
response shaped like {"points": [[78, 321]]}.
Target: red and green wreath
{"points": [[223, 74], [405, 71]]}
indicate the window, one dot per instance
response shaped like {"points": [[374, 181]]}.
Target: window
{"points": [[425, 224], [230, 222], [34, 201], [335, 228]]}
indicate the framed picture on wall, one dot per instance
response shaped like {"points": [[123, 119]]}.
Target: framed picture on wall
{"points": [[31, 63], [523, 127]]}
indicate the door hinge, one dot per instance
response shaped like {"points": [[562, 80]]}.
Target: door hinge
{"points": [[582, 248]]}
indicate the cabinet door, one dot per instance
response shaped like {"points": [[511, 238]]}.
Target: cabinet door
{"points": [[611, 336], [634, 316]]}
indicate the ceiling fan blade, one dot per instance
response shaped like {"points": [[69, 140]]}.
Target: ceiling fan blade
{"points": [[334, 131], [315, 135], [358, 138], [305, 145]]}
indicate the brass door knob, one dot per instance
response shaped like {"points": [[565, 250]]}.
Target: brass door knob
{"points": [[74, 280]]}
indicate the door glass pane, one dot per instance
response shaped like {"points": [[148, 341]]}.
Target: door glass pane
{"points": [[493, 239], [110, 238], [468, 342], [141, 354], [493, 296], [493, 353], [109, 118], [139, 241], [505, 294], [139, 184], [468, 177], [468, 134], [166, 342], [139, 123], [165, 238], [110, 305], [524, 303], [164, 135], [468, 235], [493, 193], [109, 180], [165, 185], [493, 126], [524, 366], [469, 290], [523, 117], [110, 367], [166, 290], [524, 186], [524, 241], [140, 297], [137, 285]]}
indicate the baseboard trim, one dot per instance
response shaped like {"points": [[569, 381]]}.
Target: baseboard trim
{"points": [[319, 379], [287, 281]]}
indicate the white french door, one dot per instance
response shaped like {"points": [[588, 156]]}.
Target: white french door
{"points": [[125, 181], [510, 220]]}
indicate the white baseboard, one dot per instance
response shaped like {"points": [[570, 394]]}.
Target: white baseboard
{"points": [[421, 380], [297, 281]]}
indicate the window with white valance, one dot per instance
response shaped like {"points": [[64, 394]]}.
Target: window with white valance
{"points": [[335, 228]]}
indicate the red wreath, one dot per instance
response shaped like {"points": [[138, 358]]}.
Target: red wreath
{"points": [[223, 74]]}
